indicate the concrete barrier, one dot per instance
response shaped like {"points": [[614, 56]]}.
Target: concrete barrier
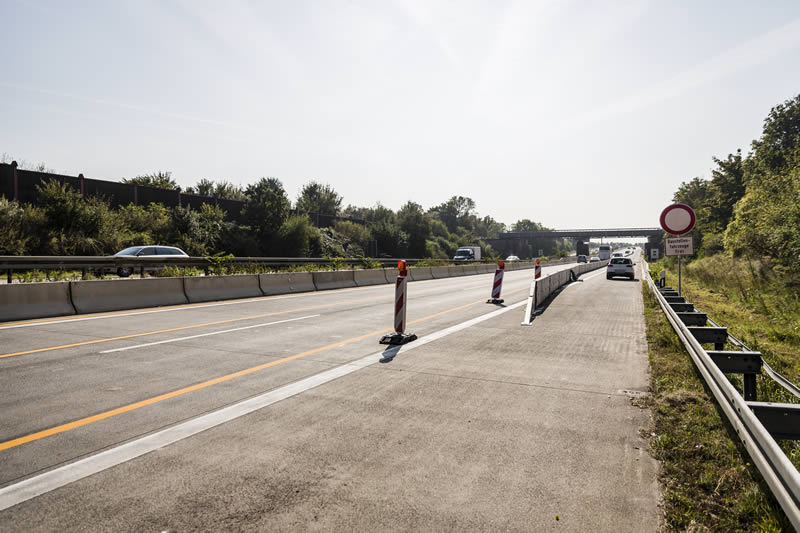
{"points": [[456, 271], [21, 301], [488, 269], [212, 288], [470, 270], [440, 272], [336, 279], [98, 296], [372, 276], [420, 273], [286, 282]]}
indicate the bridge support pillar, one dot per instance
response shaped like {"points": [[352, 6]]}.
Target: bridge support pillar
{"points": [[582, 246], [654, 248]]}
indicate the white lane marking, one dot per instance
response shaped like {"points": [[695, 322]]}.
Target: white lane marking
{"points": [[61, 476], [189, 307], [206, 334]]}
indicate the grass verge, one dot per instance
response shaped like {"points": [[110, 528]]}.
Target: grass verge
{"points": [[708, 481]]}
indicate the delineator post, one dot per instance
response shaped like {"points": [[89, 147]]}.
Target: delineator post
{"points": [[399, 336], [498, 284]]}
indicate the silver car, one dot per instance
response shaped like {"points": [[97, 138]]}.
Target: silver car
{"points": [[151, 252], [620, 266]]}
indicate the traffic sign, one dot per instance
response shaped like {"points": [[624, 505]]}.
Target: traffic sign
{"points": [[677, 219], [679, 246]]}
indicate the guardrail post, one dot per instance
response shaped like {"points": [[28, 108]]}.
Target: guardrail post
{"points": [[750, 391], [10, 275]]}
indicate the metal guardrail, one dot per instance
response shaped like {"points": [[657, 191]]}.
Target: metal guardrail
{"points": [[780, 474]]}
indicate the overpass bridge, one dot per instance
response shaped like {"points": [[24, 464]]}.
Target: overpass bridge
{"points": [[527, 243]]}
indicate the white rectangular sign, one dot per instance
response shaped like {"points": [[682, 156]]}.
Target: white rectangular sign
{"points": [[679, 246], [653, 253]]}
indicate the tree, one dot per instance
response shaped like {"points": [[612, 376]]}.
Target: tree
{"points": [[417, 226], [221, 189], [489, 228], [298, 237], [779, 137], [455, 212], [723, 191], [319, 198], [526, 225], [159, 180], [267, 208]]}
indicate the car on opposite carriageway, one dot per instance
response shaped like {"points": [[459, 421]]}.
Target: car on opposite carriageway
{"points": [[149, 252]]}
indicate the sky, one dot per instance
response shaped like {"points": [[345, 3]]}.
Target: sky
{"points": [[572, 113]]}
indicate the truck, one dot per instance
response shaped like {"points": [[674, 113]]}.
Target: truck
{"points": [[468, 253], [604, 253]]}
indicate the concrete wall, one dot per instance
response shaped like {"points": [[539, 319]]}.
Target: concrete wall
{"points": [[22, 301], [212, 288], [373, 276], [40, 300], [337, 279], [113, 295], [286, 282]]}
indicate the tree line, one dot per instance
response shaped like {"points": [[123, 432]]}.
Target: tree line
{"points": [[270, 224], [750, 207]]}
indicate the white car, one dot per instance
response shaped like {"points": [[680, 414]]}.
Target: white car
{"points": [[151, 252], [616, 254], [620, 266], [512, 258]]}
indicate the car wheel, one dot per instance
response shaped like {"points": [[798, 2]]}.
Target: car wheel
{"points": [[609, 276], [124, 272]]}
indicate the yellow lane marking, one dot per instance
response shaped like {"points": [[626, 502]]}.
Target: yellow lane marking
{"points": [[150, 401], [134, 335]]}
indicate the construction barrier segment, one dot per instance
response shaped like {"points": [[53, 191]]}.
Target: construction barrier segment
{"points": [[497, 285], [399, 336]]}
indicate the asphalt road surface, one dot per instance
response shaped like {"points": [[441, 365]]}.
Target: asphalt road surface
{"points": [[284, 413]]}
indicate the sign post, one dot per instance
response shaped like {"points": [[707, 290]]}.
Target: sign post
{"points": [[678, 219]]}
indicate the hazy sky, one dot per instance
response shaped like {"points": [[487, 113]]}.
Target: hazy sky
{"points": [[571, 113]]}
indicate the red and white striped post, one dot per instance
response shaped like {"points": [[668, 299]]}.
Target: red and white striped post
{"points": [[538, 269], [400, 300], [498, 284]]}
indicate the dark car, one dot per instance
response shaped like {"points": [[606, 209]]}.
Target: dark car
{"points": [[582, 259]]}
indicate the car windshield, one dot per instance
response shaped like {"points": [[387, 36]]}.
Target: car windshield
{"points": [[133, 250], [620, 261]]}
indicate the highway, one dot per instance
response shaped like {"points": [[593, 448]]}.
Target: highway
{"points": [[284, 413]]}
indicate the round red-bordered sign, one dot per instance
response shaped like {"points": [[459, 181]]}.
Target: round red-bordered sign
{"points": [[677, 219]]}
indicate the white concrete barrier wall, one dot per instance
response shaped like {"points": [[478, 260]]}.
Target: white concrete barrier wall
{"points": [[21, 301], [212, 288], [39, 300], [277, 283], [336, 279], [286, 283], [440, 272], [99, 296], [372, 276], [420, 273]]}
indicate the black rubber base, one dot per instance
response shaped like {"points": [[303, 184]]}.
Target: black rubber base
{"points": [[396, 339], [495, 301]]}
